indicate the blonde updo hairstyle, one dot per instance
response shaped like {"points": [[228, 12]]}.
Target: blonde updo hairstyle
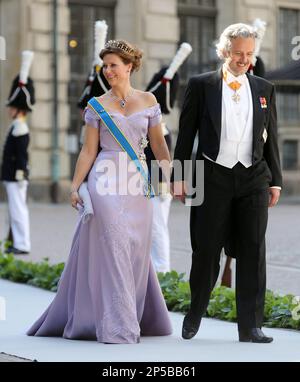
{"points": [[126, 51]]}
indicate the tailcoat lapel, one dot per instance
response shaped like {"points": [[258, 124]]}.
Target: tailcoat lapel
{"points": [[214, 100], [214, 103], [258, 112]]}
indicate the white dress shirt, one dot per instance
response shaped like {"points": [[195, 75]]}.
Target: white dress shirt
{"points": [[236, 124]]}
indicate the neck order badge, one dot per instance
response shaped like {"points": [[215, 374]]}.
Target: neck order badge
{"points": [[235, 86]]}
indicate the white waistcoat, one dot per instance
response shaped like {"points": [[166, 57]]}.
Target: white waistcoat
{"points": [[236, 125]]}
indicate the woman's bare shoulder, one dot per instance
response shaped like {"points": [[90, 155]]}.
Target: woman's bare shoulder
{"points": [[104, 99], [148, 98]]}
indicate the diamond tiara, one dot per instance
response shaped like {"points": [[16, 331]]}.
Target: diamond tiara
{"points": [[119, 45]]}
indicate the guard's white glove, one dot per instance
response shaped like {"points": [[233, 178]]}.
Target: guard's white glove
{"points": [[20, 178], [19, 175]]}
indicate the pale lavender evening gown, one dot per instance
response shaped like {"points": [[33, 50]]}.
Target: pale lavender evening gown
{"points": [[109, 291]]}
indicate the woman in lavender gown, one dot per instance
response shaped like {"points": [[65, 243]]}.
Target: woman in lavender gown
{"points": [[109, 291]]}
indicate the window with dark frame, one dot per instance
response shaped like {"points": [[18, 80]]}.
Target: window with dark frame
{"points": [[288, 102], [290, 155], [289, 27], [197, 27], [288, 97]]}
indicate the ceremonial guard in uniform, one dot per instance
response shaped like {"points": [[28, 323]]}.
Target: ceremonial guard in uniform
{"points": [[96, 84], [164, 85], [14, 172]]}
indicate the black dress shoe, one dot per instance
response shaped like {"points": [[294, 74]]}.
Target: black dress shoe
{"points": [[190, 327], [16, 251], [254, 335]]}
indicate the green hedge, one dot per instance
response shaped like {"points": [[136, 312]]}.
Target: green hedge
{"points": [[277, 314], [278, 309], [42, 275]]}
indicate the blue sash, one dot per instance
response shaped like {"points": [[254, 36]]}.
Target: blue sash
{"points": [[96, 106]]}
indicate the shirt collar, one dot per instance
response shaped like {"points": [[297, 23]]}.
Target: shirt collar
{"points": [[20, 119], [230, 77]]}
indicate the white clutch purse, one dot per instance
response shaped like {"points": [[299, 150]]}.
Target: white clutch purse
{"points": [[86, 211]]}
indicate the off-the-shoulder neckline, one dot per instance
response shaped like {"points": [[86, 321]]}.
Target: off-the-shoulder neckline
{"points": [[130, 115]]}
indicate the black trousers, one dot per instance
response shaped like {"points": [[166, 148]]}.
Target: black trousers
{"points": [[238, 198]]}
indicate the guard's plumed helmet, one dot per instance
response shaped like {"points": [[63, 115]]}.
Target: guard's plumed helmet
{"points": [[258, 67], [96, 84], [162, 92], [164, 84], [21, 94]]}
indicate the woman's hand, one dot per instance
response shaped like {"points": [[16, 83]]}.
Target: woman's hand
{"points": [[178, 190], [75, 199]]}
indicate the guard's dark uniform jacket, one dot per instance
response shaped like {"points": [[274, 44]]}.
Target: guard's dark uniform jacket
{"points": [[15, 152]]}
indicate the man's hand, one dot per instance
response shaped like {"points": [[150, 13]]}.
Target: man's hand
{"points": [[274, 196], [178, 190]]}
